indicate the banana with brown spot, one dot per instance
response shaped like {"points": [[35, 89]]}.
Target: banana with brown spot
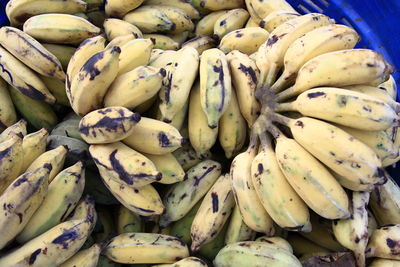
{"points": [[150, 20], [277, 241], [84, 258], [200, 43], [384, 243], [234, 19], [260, 9], [11, 160], [18, 128], [246, 40], [276, 18], [205, 26], [116, 27], [172, 172]]}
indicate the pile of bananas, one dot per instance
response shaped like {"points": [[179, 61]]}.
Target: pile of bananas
{"points": [[193, 133]]}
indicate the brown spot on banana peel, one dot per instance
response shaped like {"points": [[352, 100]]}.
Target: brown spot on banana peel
{"points": [[109, 124], [274, 38]]}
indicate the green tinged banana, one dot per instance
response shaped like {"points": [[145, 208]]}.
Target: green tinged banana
{"points": [[18, 128], [8, 116], [149, 20], [128, 222], [84, 258], [237, 230], [181, 228], [57, 88], [169, 167], [62, 52], [115, 28]]}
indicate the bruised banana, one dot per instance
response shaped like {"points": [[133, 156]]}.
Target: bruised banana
{"points": [[200, 43], [118, 8], [84, 258], [124, 165], [177, 16], [127, 221], [383, 243], [108, 125], [187, 156], [51, 28], [149, 20], [33, 145], [276, 18], [237, 230], [179, 119], [169, 167], [11, 160], [162, 41], [232, 20], [116, 27], [18, 128], [350, 67], [205, 26], [246, 40]]}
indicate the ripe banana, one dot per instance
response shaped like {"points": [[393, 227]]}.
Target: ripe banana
{"points": [[169, 167], [246, 40], [33, 145], [215, 5], [276, 18], [214, 210], [150, 20], [210, 250], [62, 52], [53, 159], [253, 213], [121, 40], [186, 262], [384, 263], [245, 76], [133, 54], [251, 23], [90, 84], [232, 128], [11, 159], [84, 258], [384, 243], [205, 26], [124, 165], [18, 128], [127, 221], [51, 28], [261, 9], [179, 119], [84, 210], [352, 233], [57, 88], [215, 85], [187, 7], [154, 137], [256, 253], [187, 156], [201, 137], [162, 41], [390, 87], [118, 8], [62, 196], [200, 43], [385, 202], [277, 241], [232, 20], [177, 16], [116, 27], [350, 66], [237, 230], [278, 198], [107, 125], [8, 116], [333, 37], [179, 37], [140, 248], [182, 196]]}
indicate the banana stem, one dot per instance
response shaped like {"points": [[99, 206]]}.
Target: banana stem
{"points": [[265, 140], [280, 107], [253, 144], [283, 81], [280, 119], [285, 94], [275, 132], [273, 69]]}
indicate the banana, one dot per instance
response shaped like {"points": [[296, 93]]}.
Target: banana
{"points": [[237, 230], [117, 27], [246, 40], [177, 16], [201, 137], [302, 246], [86, 50], [350, 66], [186, 262], [54, 159], [84, 258], [133, 54], [205, 26], [178, 81], [51, 28], [184, 5], [182, 196], [18, 128], [372, 223], [215, 5], [118, 8], [163, 60], [232, 128], [353, 233], [214, 210], [343, 153], [232, 20], [385, 202], [245, 76], [179, 37], [261, 9], [328, 199], [329, 38], [276, 18], [18, 11], [390, 87], [284, 35], [251, 23], [277, 241], [62, 196], [187, 156], [255, 253], [11, 159], [20, 200], [69, 127], [90, 84], [52, 247], [181, 228], [124, 165], [179, 119], [215, 85], [144, 201], [33, 145], [261, 60], [107, 125], [57, 88], [150, 20], [106, 262], [106, 225], [127, 221], [253, 213], [278, 198], [121, 40], [169, 167], [154, 137], [200, 43], [384, 263], [384, 243], [394, 135], [162, 41], [145, 248], [84, 210], [8, 116], [210, 250]]}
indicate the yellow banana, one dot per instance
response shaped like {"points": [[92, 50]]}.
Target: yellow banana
{"points": [[127, 221], [214, 210], [215, 5], [215, 85], [8, 116], [118, 8], [54, 159], [84, 210], [186, 6], [117, 27], [107, 125], [162, 41], [253, 213], [18, 128], [205, 26], [182, 196], [62, 196], [90, 84], [390, 87], [84, 258], [177, 16], [200, 43], [186, 262], [384, 263], [322, 40], [161, 59], [150, 20], [237, 229], [121, 40], [51, 28], [246, 40], [133, 54], [251, 23], [261, 9], [187, 156], [20, 200], [263, 64], [11, 159], [276, 18], [245, 76], [179, 37], [351, 66], [372, 223], [124, 165], [33, 145], [179, 119], [232, 20], [145, 248], [277, 241], [169, 167], [384, 242], [62, 52]]}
